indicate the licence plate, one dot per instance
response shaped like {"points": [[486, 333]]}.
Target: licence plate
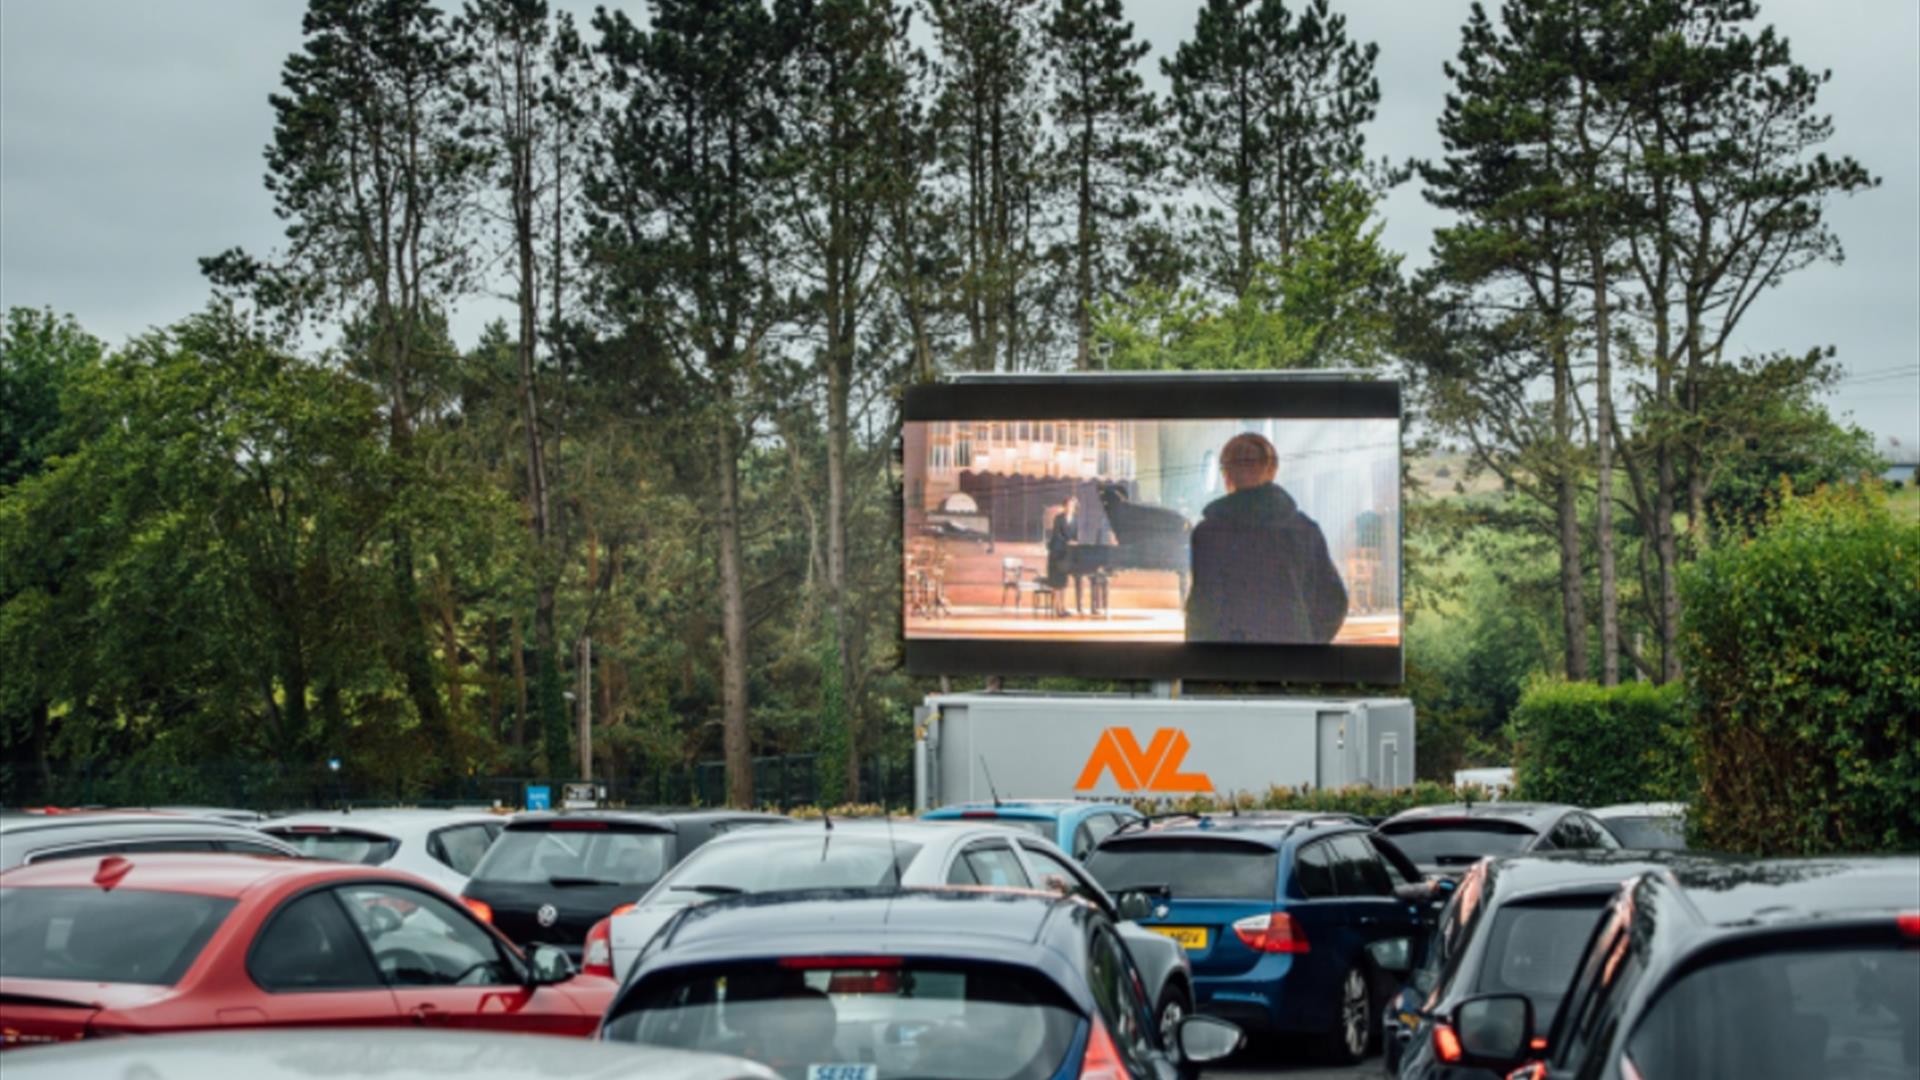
{"points": [[843, 1072], [1191, 938]]}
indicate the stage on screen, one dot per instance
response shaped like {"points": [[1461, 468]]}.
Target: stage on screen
{"points": [[1138, 528]]}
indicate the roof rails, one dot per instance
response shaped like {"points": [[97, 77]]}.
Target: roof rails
{"points": [[1215, 819]]}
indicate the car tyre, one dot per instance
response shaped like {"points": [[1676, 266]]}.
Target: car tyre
{"points": [[1176, 1004], [1346, 1042]]}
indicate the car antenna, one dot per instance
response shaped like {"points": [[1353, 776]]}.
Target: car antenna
{"points": [[990, 788]]}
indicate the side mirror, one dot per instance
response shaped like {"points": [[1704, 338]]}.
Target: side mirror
{"points": [[1496, 1030], [550, 965], [1392, 955], [1133, 905], [1207, 1038]]}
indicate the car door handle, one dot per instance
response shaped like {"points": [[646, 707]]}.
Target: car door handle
{"points": [[427, 1014]]}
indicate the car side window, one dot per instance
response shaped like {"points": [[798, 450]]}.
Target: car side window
{"points": [[1363, 873], [421, 940], [1120, 997], [1598, 835], [1596, 995], [123, 847], [308, 945], [1049, 865], [249, 847], [1313, 871], [1096, 828], [993, 863], [460, 847], [1571, 834]]}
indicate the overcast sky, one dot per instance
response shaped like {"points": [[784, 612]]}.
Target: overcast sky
{"points": [[131, 136]]}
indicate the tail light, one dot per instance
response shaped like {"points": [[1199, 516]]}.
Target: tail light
{"points": [[621, 910], [863, 982], [598, 958], [1446, 1043], [480, 908], [1274, 932], [1535, 1070], [1102, 1060], [1909, 924]]}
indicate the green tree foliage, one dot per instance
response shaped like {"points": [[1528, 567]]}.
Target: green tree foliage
{"points": [[1269, 102], [1591, 745], [1805, 679]]}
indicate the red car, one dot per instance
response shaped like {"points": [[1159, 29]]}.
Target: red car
{"points": [[150, 943]]}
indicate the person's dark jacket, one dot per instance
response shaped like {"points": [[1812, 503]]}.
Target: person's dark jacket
{"points": [[1261, 573], [1061, 536]]}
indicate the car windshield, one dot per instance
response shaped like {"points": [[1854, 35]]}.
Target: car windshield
{"points": [[104, 935], [1190, 869], [575, 856], [817, 862], [1649, 833], [1846, 1011], [912, 1019], [1457, 843], [1534, 949], [319, 842]]}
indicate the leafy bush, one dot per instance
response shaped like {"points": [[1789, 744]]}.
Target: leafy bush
{"points": [[1802, 645], [1590, 745], [1358, 799]]}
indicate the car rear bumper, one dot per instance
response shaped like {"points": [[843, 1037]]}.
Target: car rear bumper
{"points": [[1257, 999]]}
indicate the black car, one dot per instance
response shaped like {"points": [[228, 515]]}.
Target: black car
{"points": [[905, 983], [27, 838], [1448, 838], [1766, 970], [550, 876], [1517, 924]]}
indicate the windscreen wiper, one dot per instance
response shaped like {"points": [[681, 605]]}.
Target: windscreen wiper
{"points": [[561, 881], [710, 890]]}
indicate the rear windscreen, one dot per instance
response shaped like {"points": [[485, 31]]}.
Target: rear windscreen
{"points": [[575, 857], [787, 862], [106, 936], [1190, 869], [1458, 843], [1534, 949], [900, 1019], [1851, 1011], [1042, 829], [1649, 833], [351, 847]]}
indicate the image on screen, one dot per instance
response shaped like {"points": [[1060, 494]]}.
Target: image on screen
{"points": [[1230, 531]]}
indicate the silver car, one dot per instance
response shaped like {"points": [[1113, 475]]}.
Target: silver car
{"points": [[27, 838], [442, 846], [365, 1054], [868, 853]]}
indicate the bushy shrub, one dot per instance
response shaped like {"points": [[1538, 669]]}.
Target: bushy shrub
{"points": [[1589, 745], [1802, 647], [1358, 799]]}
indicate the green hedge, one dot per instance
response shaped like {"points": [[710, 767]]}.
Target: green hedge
{"points": [[1588, 745], [1371, 802], [1802, 646]]}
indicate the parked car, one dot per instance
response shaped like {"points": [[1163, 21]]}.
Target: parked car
{"points": [[907, 983], [1073, 826], [551, 876], [151, 943], [304, 1053], [1649, 826], [1448, 838], [1518, 924], [883, 854], [1293, 925], [1765, 970], [442, 846], [30, 838]]}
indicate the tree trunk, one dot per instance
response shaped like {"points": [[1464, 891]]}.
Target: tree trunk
{"points": [[583, 706], [733, 621], [1603, 499], [1083, 355], [1567, 503]]}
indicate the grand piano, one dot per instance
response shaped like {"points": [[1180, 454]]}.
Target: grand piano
{"points": [[1149, 538]]}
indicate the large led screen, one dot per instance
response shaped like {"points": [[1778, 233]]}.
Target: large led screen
{"points": [[1097, 526]]}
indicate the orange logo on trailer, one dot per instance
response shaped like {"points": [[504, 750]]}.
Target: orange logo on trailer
{"points": [[1156, 769]]}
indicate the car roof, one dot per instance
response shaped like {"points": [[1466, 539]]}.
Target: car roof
{"points": [[1552, 873], [228, 875], [900, 830], [1640, 809], [375, 820], [1725, 891], [1536, 814], [666, 821], [75, 819], [302, 1053], [1271, 829], [1051, 807]]}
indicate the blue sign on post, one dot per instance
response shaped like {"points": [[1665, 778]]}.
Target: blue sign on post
{"points": [[539, 797]]}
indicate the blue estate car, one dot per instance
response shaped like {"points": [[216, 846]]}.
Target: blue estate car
{"points": [[1074, 827], [1298, 924], [864, 983]]}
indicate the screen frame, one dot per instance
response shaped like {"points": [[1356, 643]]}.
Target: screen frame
{"points": [[1278, 395]]}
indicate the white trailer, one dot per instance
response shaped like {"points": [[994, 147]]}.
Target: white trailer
{"points": [[967, 746]]}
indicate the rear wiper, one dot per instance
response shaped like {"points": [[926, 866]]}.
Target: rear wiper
{"points": [[710, 890], [1456, 860], [562, 882]]}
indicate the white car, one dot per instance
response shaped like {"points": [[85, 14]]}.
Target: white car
{"points": [[1648, 826], [442, 846], [868, 853]]}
